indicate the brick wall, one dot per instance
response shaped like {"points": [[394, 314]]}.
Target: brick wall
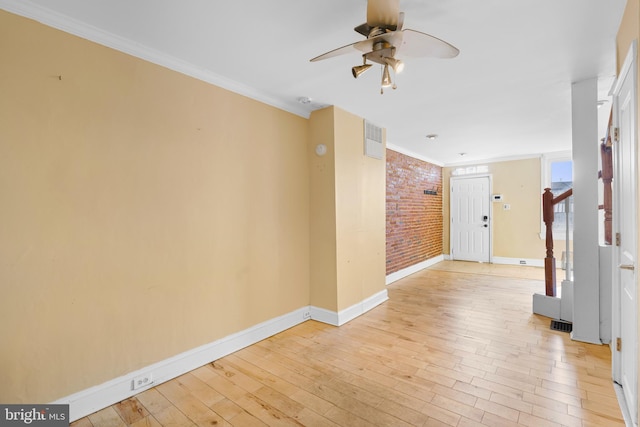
{"points": [[414, 219]]}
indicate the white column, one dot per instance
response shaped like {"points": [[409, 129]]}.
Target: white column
{"points": [[586, 293]]}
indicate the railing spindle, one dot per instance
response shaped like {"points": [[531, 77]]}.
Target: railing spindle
{"points": [[548, 216]]}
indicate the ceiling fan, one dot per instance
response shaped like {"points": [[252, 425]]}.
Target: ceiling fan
{"points": [[386, 38]]}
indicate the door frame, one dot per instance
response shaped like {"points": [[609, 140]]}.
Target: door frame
{"points": [[489, 202], [629, 68]]}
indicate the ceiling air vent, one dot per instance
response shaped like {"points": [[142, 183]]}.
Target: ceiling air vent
{"points": [[373, 146]]}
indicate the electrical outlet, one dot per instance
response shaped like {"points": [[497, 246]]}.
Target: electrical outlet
{"points": [[142, 381], [306, 315]]}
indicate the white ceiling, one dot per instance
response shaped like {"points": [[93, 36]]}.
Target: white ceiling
{"points": [[508, 93]]}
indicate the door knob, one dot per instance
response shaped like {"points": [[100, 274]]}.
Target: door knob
{"points": [[627, 267]]}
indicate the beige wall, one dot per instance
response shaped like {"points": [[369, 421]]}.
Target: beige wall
{"points": [[629, 30], [143, 213], [324, 276], [360, 213], [347, 213], [516, 232]]}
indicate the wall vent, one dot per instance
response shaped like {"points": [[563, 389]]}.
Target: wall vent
{"points": [[373, 146], [561, 325]]}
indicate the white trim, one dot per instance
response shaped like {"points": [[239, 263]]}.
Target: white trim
{"points": [[516, 261], [623, 405], [489, 201], [340, 318], [113, 391], [629, 70], [494, 160], [325, 316], [89, 32], [400, 274], [101, 396], [629, 62], [413, 154], [546, 306]]}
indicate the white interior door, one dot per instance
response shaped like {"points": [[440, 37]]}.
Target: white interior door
{"points": [[471, 218], [625, 277]]}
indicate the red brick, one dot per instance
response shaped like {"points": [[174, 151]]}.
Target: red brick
{"points": [[414, 219]]}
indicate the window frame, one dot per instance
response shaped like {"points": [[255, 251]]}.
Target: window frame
{"points": [[545, 182]]}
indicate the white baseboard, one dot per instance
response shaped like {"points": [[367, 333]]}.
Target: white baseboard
{"points": [[624, 408], [362, 307], [546, 306], [413, 269], [98, 397], [350, 313], [518, 261], [101, 396]]}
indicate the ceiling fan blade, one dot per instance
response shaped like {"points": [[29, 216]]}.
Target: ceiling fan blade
{"points": [[394, 38], [418, 44], [336, 52], [383, 13]]}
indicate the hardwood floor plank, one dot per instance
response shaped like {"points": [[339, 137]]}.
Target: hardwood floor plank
{"points": [[246, 419], [493, 420], [153, 401], [131, 410], [558, 396], [568, 389], [443, 415], [82, 422], [455, 345], [529, 420], [343, 417], [409, 414], [107, 417], [148, 421], [557, 417], [498, 409], [200, 389], [516, 404], [455, 406]]}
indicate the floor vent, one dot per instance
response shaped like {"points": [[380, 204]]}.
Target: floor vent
{"points": [[561, 325]]}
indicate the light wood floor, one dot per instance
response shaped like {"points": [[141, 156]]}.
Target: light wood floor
{"points": [[455, 345]]}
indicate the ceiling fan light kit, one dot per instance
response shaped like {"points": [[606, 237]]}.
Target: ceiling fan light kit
{"points": [[386, 77], [359, 69], [385, 36]]}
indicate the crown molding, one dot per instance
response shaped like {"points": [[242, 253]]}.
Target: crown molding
{"points": [[83, 30], [495, 160], [417, 156]]}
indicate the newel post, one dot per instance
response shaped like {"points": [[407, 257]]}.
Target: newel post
{"points": [[549, 261], [607, 177]]}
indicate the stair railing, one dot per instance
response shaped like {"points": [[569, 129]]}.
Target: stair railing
{"points": [[606, 174], [548, 202]]}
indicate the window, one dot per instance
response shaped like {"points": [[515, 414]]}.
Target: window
{"points": [[561, 181], [469, 170], [557, 174]]}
